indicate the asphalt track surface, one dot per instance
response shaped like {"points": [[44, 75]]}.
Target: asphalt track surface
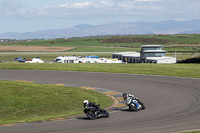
{"points": [[172, 103]]}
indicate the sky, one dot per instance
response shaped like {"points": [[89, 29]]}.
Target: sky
{"points": [[35, 15]]}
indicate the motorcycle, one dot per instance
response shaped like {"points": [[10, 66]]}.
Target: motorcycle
{"points": [[93, 113], [135, 105]]}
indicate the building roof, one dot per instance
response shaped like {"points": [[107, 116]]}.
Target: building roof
{"points": [[154, 51], [136, 54], [150, 46], [123, 53]]}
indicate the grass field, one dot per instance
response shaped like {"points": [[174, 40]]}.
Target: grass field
{"points": [[180, 70], [191, 42], [25, 102]]}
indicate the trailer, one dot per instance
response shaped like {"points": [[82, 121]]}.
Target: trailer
{"points": [[66, 59]]}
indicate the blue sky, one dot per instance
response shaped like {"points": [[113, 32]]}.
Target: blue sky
{"points": [[34, 15]]}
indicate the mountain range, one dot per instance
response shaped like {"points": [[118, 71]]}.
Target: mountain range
{"points": [[115, 28]]}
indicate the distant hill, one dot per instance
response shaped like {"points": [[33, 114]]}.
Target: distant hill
{"points": [[117, 28]]}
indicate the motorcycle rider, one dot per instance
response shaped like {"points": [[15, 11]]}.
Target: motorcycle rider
{"points": [[129, 97], [92, 104]]}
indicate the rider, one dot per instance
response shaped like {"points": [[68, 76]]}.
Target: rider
{"points": [[129, 97], [91, 104]]}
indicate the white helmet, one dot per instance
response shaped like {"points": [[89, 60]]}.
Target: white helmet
{"points": [[86, 102]]}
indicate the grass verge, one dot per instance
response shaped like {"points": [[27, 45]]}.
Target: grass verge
{"points": [[25, 102], [180, 70], [192, 132]]}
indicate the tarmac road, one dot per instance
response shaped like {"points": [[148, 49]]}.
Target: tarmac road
{"points": [[172, 103]]}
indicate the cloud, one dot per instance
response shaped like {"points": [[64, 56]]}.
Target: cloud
{"points": [[8, 7], [87, 8], [148, 0], [101, 8], [77, 5]]}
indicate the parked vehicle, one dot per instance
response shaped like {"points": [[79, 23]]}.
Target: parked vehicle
{"points": [[66, 59], [35, 60], [18, 59]]}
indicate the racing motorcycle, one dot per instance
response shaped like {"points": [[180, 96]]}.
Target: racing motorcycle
{"points": [[135, 105], [93, 113]]}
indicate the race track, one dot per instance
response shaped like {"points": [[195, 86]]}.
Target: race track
{"points": [[172, 103]]}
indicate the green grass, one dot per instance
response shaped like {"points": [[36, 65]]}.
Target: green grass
{"points": [[178, 38], [192, 132], [188, 48], [97, 41], [103, 49], [25, 102], [180, 70]]}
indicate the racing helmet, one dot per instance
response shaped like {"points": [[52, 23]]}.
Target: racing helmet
{"points": [[86, 102], [124, 95]]}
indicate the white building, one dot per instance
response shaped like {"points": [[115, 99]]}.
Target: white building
{"points": [[164, 59], [148, 54]]}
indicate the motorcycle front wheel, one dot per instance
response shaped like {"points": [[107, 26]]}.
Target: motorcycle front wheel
{"points": [[143, 107], [90, 114], [105, 113]]}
